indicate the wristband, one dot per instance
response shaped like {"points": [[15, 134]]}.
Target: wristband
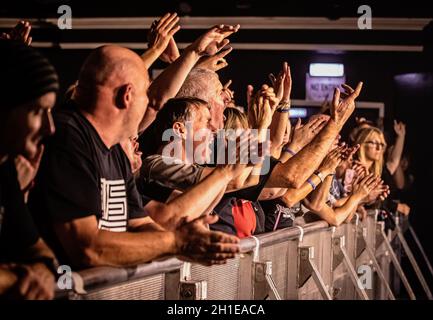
{"points": [[311, 183], [288, 150]]}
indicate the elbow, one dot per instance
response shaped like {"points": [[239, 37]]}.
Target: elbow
{"points": [[238, 184], [165, 215], [293, 182], [156, 100], [334, 222], [288, 201], [315, 206], [90, 258]]}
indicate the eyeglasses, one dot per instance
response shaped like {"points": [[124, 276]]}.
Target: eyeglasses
{"points": [[379, 145]]}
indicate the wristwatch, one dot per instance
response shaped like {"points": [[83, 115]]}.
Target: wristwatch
{"points": [[320, 175]]}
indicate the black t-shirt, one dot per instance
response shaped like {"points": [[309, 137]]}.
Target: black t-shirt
{"points": [[389, 204], [278, 215], [17, 229], [79, 177]]}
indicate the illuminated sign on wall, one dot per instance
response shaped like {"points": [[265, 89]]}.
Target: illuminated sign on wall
{"points": [[322, 79]]}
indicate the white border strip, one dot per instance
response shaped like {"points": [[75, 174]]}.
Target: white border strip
{"points": [[281, 23], [324, 48]]}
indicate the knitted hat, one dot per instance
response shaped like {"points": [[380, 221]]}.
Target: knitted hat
{"points": [[24, 74]]}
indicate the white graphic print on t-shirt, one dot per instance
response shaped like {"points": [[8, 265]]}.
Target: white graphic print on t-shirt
{"points": [[114, 205]]}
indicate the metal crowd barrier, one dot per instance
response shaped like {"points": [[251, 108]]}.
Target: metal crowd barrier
{"points": [[313, 261]]}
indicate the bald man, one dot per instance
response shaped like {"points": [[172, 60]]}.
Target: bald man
{"points": [[85, 199]]}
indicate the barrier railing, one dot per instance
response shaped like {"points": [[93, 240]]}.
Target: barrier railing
{"points": [[313, 261]]}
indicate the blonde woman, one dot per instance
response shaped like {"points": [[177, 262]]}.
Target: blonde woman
{"points": [[371, 155]]}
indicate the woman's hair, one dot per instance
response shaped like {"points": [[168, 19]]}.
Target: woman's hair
{"points": [[365, 135], [174, 110], [232, 115]]}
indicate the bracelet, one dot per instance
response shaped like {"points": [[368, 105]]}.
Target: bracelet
{"points": [[311, 183], [283, 106], [319, 174], [282, 110], [288, 150]]}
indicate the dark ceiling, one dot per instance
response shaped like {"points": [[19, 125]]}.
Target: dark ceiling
{"points": [[332, 9]]}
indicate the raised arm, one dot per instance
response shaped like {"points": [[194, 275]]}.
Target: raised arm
{"points": [[168, 83], [318, 198], [294, 172], [394, 158], [280, 121], [160, 36]]}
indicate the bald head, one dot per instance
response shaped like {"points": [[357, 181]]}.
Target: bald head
{"points": [[112, 87], [110, 66]]}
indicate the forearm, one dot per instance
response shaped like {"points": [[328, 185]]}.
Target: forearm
{"points": [[194, 202], [343, 212], [317, 199], [340, 202], [295, 171], [128, 248], [395, 156], [272, 193], [278, 129], [285, 155], [150, 56], [40, 249], [168, 83], [399, 178], [244, 180], [293, 196]]}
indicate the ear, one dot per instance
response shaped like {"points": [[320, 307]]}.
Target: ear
{"points": [[123, 97], [179, 130]]}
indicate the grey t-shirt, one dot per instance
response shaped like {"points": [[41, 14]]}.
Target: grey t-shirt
{"points": [[170, 172]]}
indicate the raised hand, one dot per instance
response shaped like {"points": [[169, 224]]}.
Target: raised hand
{"points": [[196, 243], [283, 83], [359, 168], [21, 32], [399, 128], [332, 160], [380, 191], [215, 62], [303, 134], [213, 40], [363, 187], [161, 34], [262, 108], [349, 152], [228, 95], [27, 169], [342, 109]]}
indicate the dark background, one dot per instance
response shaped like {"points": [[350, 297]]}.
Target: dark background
{"points": [[407, 97]]}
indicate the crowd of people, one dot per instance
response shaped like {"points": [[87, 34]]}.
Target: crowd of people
{"points": [[128, 169]]}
